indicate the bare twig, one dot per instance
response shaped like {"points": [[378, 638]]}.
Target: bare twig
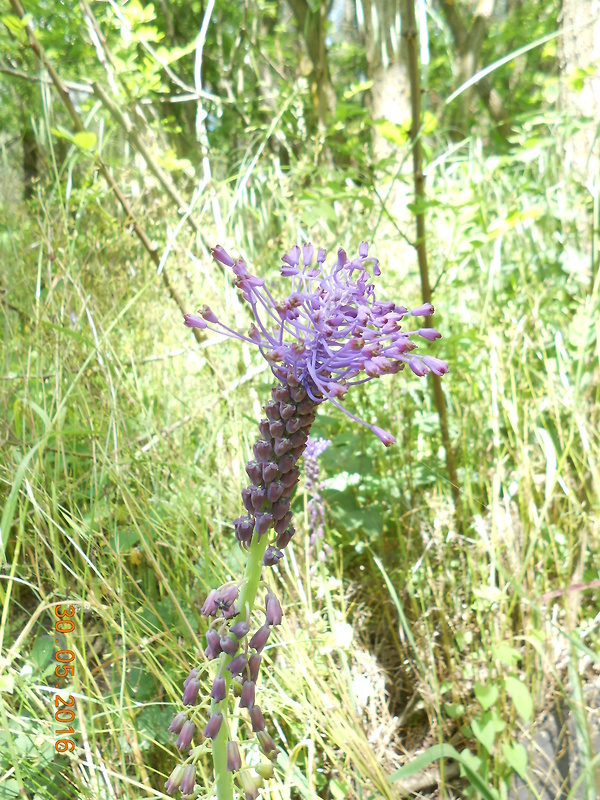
{"points": [[80, 127], [409, 33], [71, 86]]}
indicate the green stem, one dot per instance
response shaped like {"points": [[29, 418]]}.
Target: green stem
{"points": [[247, 596]]}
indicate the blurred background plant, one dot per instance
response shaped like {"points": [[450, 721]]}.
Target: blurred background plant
{"points": [[135, 135]]}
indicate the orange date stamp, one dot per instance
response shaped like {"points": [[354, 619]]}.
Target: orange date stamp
{"points": [[64, 713]]}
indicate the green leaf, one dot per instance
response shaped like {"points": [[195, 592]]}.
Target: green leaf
{"points": [[520, 696], [465, 759], [86, 140], [507, 655], [486, 695], [7, 683], [41, 652], [485, 732], [454, 711], [516, 758]]}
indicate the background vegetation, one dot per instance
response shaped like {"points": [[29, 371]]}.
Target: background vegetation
{"points": [[123, 439]]}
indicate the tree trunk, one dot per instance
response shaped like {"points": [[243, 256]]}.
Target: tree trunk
{"points": [[379, 22], [312, 20], [579, 54]]}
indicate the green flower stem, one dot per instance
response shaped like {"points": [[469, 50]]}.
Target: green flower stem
{"points": [[246, 597]]}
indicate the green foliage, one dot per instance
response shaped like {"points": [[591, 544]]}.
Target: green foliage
{"points": [[123, 440]]}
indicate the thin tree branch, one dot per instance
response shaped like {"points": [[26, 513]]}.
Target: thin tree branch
{"points": [[69, 85], [409, 33], [80, 127]]}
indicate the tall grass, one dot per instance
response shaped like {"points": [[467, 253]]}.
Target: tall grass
{"points": [[123, 444]]}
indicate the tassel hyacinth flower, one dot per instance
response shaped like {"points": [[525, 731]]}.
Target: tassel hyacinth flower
{"points": [[328, 334]]}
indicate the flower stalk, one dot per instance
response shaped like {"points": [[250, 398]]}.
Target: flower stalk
{"points": [[329, 334]]}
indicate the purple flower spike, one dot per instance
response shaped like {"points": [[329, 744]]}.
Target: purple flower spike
{"points": [[426, 310], [273, 609], [219, 254], [219, 689], [189, 779], [234, 759], [430, 334], [260, 638], [186, 735], [192, 321], [213, 726], [324, 336], [257, 719]]}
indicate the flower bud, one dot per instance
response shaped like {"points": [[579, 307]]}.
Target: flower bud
{"points": [[306, 407], [280, 508], [286, 463], [281, 524], [273, 609], [287, 411], [272, 556], [257, 719], [282, 446], [281, 394], [190, 694], [188, 780], [192, 676], [254, 666], [274, 491], [265, 770], [210, 604], [263, 450], [260, 638], [263, 523], [247, 498], [277, 428], [234, 759], [228, 593], [249, 784], [265, 430], [238, 664], [284, 538], [259, 495], [219, 689], [426, 310], [290, 478], [240, 629], [174, 780], [248, 694], [219, 254], [254, 472], [267, 745], [297, 393], [213, 641], [270, 471], [186, 735], [177, 723], [272, 410], [213, 726], [208, 314]]}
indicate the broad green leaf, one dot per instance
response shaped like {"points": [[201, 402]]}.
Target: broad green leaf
{"points": [[485, 732], [516, 758], [486, 694], [465, 759], [520, 696], [86, 140]]}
